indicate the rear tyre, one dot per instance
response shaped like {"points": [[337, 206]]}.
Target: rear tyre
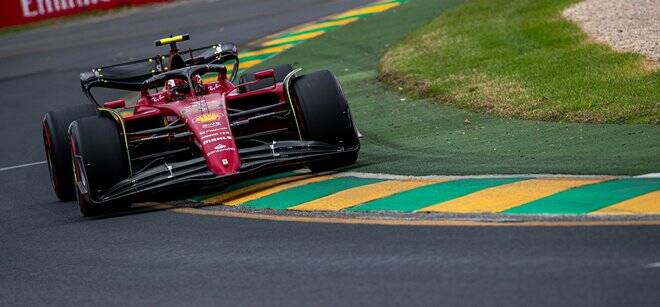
{"points": [[325, 116], [98, 160], [280, 73], [55, 126]]}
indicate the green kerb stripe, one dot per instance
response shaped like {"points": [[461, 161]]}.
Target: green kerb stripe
{"points": [[257, 57], [430, 195], [324, 29], [353, 16], [302, 194], [382, 3], [589, 198], [296, 42], [242, 184]]}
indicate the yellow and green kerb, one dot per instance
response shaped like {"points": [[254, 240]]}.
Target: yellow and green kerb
{"points": [[277, 43], [556, 196]]}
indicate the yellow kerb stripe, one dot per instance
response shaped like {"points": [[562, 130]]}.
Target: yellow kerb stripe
{"points": [[274, 189], [248, 64], [507, 196], [358, 195], [368, 10], [252, 189], [293, 38], [326, 24], [648, 203], [266, 51]]}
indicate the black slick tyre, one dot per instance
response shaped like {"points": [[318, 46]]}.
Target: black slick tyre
{"points": [[325, 116], [99, 162], [55, 126], [280, 73]]}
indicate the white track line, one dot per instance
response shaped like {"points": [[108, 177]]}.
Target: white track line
{"points": [[22, 165], [651, 175], [404, 177]]}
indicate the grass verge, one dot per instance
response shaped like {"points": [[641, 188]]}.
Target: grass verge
{"points": [[417, 137], [523, 59]]}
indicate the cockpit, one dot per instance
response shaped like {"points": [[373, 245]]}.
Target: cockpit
{"points": [[185, 83]]}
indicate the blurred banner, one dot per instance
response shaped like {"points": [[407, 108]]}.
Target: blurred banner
{"points": [[16, 12]]}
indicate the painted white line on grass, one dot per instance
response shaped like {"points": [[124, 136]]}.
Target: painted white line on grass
{"points": [[22, 165]]}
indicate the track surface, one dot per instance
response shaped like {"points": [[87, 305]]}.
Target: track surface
{"points": [[51, 255]]}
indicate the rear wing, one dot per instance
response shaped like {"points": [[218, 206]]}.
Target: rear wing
{"points": [[129, 76]]}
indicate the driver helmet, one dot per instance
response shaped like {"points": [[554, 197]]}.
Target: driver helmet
{"points": [[171, 88], [198, 83]]}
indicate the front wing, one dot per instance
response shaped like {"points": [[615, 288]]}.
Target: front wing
{"points": [[181, 179]]}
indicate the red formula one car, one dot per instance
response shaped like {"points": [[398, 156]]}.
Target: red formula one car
{"points": [[191, 128]]}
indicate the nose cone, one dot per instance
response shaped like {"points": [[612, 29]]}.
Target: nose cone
{"points": [[212, 131]]}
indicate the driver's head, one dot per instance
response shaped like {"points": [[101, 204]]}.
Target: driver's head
{"points": [[176, 88], [170, 84], [198, 83]]}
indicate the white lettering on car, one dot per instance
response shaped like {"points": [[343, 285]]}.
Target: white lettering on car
{"points": [[209, 125], [216, 139], [158, 98], [209, 135], [214, 86], [214, 130], [213, 152]]}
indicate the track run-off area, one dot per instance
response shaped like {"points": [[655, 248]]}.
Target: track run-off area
{"points": [[363, 192], [243, 246]]}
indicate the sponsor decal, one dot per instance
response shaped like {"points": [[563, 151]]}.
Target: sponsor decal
{"points": [[209, 135], [214, 86], [209, 125], [214, 130], [214, 134], [216, 139], [201, 105], [220, 146], [158, 98], [207, 118], [189, 109], [216, 151]]}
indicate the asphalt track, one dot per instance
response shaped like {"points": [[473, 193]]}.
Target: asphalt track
{"points": [[50, 255]]}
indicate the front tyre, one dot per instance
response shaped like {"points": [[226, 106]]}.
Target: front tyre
{"points": [[55, 126], [98, 161], [326, 117]]}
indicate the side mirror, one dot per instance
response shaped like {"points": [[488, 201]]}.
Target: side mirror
{"points": [[265, 74], [116, 104]]}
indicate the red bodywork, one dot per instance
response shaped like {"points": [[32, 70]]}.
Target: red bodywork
{"points": [[204, 115]]}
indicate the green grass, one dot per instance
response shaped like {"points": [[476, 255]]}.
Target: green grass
{"points": [[522, 59], [419, 137]]}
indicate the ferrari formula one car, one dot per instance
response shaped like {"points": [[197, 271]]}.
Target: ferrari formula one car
{"points": [[191, 127]]}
